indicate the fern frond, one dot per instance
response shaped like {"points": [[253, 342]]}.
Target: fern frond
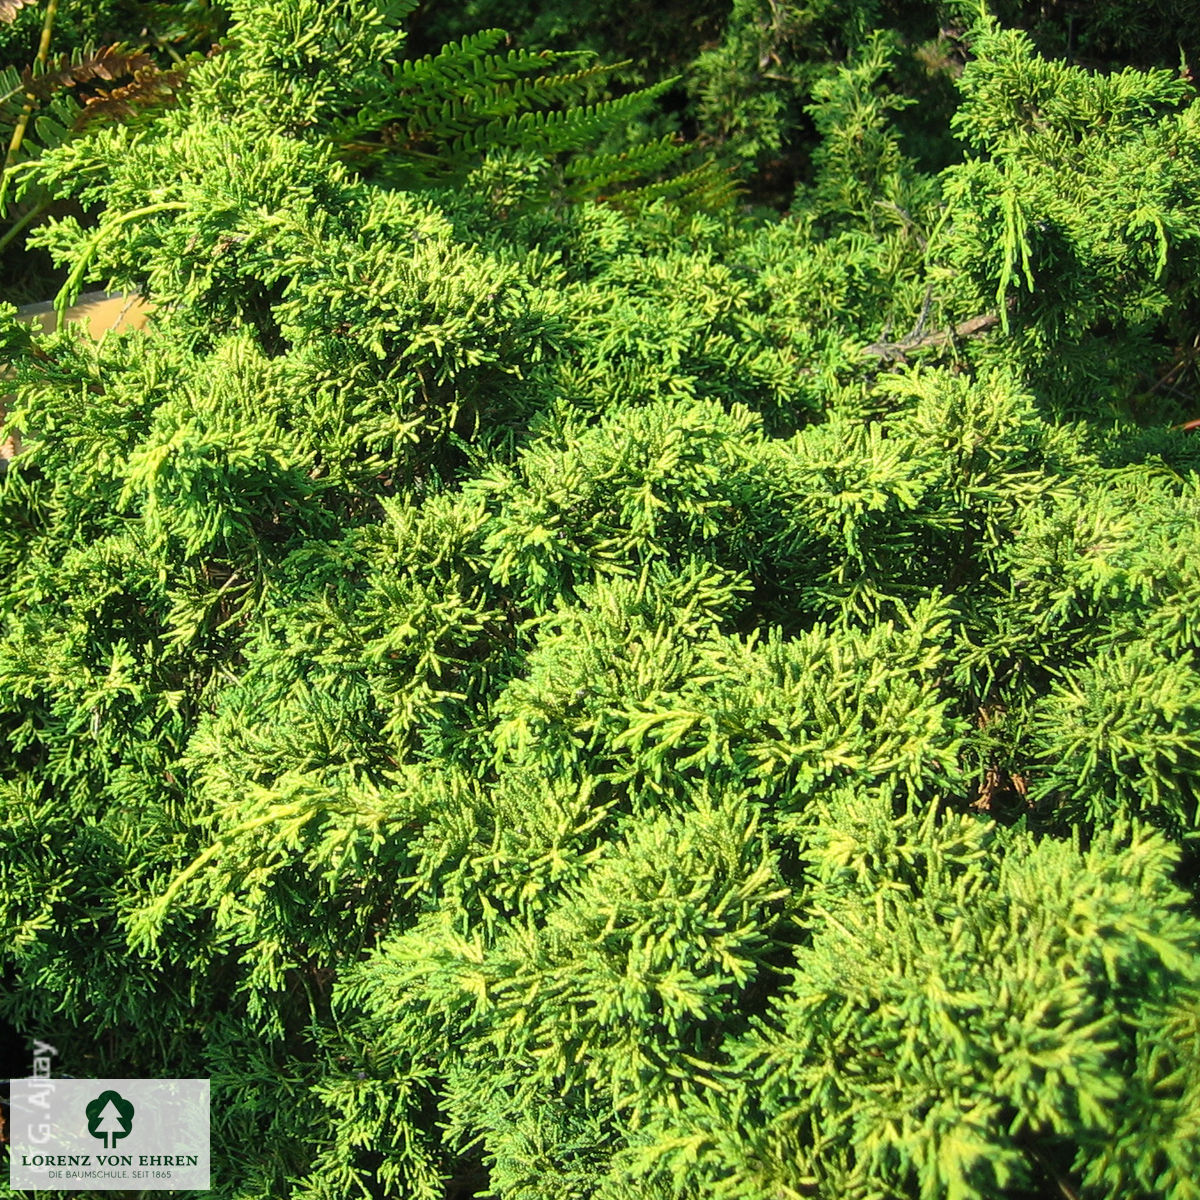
{"points": [[12, 94], [451, 64], [462, 61], [425, 92], [570, 86], [444, 111], [562, 129], [441, 117], [397, 10], [149, 88], [592, 171], [10, 8], [108, 63], [504, 99], [55, 122], [706, 188]]}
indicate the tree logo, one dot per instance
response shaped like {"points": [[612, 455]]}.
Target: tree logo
{"points": [[109, 1116]]}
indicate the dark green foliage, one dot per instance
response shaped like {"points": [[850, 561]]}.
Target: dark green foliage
{"points": [[1113, 33], [545, 695], [185, 25]]}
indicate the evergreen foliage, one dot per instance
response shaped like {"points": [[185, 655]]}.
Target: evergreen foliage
{"points": [[544, 693], [1087, 266]]}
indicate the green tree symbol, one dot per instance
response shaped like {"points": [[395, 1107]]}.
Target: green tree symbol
{"points": [[109, 1116]]}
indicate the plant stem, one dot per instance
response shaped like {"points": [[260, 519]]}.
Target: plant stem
{"points": [[69, 292], [18, 135], [21, 224]]}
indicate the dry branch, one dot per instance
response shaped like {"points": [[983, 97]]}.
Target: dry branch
{"points": [[897, 351]]}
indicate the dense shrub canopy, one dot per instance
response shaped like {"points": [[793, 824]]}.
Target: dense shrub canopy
{"points": [[541, 678]]}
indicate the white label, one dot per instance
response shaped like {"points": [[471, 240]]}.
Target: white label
{"points": [[108, 1134]]}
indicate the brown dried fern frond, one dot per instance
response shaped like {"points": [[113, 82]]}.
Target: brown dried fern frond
{"points": [[108, 63], [10, 8], [149, 87]]}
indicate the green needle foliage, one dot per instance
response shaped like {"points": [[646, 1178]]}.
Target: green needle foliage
{"points": [[529, 678]]}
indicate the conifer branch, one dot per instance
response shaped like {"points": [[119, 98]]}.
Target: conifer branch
{"points": [[69, 291], [154, 913], [517, 616]]}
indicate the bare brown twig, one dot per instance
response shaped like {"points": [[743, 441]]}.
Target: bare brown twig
{"points": [[898, 351]]}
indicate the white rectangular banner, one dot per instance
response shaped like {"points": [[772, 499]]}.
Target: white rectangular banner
{"points": [[108, 1134]]}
